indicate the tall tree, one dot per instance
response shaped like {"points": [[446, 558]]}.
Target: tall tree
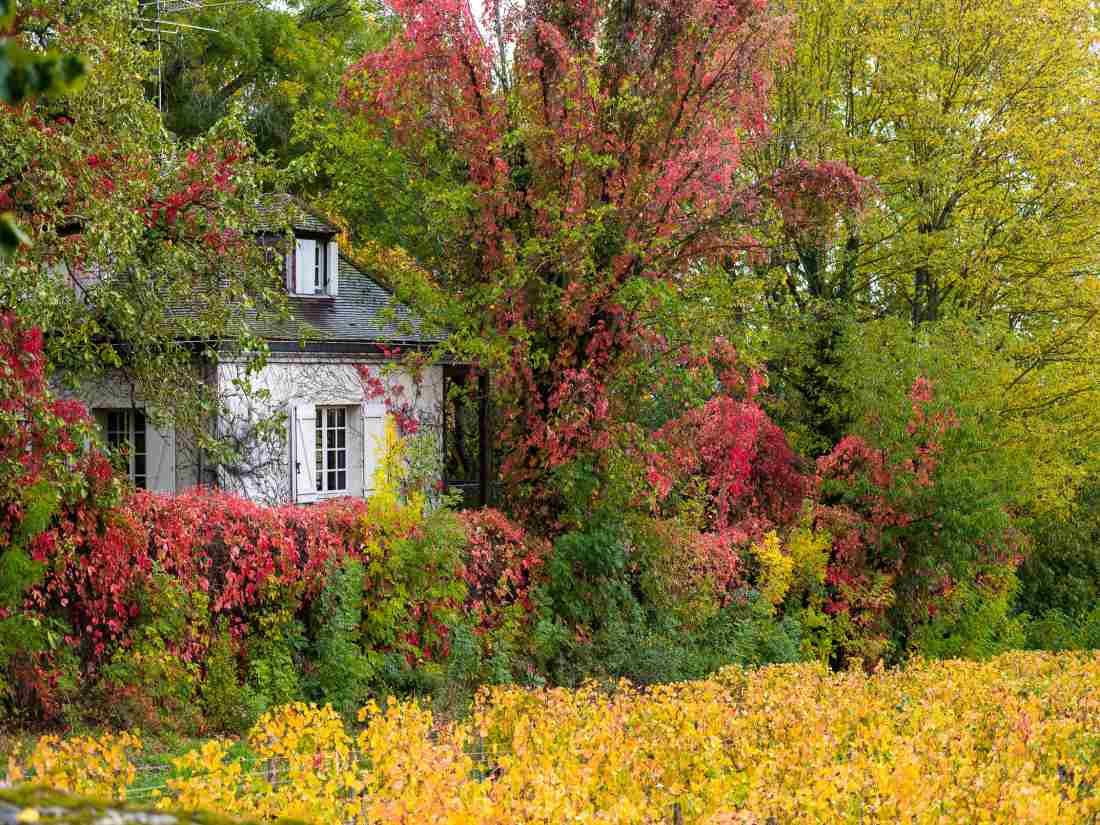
{"points": [[275, 59], [600, 146], [142, 252], [978, 122]]}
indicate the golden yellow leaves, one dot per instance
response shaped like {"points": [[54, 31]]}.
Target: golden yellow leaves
{"points": [[82, 765], [1013, 740], [300, 766]]}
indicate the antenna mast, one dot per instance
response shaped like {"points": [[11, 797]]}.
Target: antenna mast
{"points": [[165, 20]]}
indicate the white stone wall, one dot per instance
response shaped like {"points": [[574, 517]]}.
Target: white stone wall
{"points": [[259, 423], [265, 472]]}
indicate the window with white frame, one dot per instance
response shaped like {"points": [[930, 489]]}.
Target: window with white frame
{"points": [[125, 431], [315, 268], [331, 453]]}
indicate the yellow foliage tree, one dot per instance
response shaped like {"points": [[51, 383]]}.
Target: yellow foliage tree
{"points": [[977, 122]]}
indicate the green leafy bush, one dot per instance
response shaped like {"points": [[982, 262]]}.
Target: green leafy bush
{"points": [[227, 704], [1056, 630], [273, 651], [342, 671]]}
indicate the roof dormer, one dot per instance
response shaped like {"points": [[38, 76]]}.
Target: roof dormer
{"points": [[313, 266]]}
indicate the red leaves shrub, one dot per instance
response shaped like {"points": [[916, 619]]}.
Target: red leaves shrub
{"points": [[742, 458], [503, 564], [50, 475], [715, 557], [867, 498], [43, 440], [913, 521], [688, 573], [236, 551], [730, 450], [94, 558]]}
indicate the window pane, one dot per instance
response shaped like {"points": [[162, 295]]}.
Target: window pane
{"points": [[139, 476], [139, 432], [318, 453], [319, 270], [332, 451], [116, 429]]}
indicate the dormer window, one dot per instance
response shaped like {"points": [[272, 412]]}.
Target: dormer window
{"points": [[315, 268]]}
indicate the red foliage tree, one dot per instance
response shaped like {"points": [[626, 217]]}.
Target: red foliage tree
{"points": [[605, 150], [752, 478]]}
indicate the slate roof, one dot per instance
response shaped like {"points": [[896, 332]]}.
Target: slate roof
{"points": [[363, 312], [278, 206]]}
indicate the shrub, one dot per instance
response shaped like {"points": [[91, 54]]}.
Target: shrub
{"points": [[503, 565], [730, 449], [151, 680], [1056, 630], [273, 649], [683, 573], [923, 543], [227, 704], [1061, 574], [51, 475], [342, 671], [243, 553]]}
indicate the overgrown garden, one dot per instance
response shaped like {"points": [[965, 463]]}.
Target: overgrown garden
{"points": [[789, 316]]}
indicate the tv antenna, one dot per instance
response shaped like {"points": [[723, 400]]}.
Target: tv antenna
{"points": [[161, 17]]}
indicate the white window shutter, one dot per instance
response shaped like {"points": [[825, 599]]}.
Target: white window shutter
{"points": [[374, 440], [303, 267], [161, 458], [303, 452], [332, 250], [288, 271]]}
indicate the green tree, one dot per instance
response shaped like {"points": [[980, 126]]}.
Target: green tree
{"points": [[25, 73], [274, 59], [143, 258], [977, 122]]}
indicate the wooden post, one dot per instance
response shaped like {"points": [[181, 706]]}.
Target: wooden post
{"points": [[677, 814]]}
